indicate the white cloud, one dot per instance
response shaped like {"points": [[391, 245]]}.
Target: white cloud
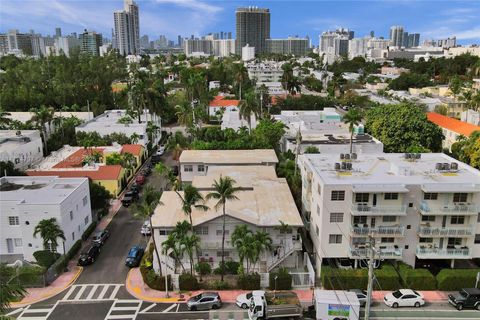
{"points": [[195, 5], [461, 34]]}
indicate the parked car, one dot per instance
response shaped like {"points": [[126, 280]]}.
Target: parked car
{"points": [[361, 295], [404, 298], [129, 198], [243, 300], [134, 256], [465, 298], [89, 255], [204, 301], [100, 237], [160, 150], [156, 159], [139, 179], [146, 230], [134, 188], [344, 263]]}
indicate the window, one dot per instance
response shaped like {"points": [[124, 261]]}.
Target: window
{"points": [[454, 241], [338, 195], [17, 160], [73, 235], [13, 221], [360, 219], [389, 219], [219, 254], [391, 196], [361, 197], [319, 189], [359, 240], [86, 220], [85, 201], [188, 168], [430, 196], [477, 239], [164, 232], [219, 232], [18, 242], [457, 220], [387, 240], [201, 230], [201, 168], [460, 197], [428, 218], [336, 217], [425, 240], [71, 215], [335, 238]]}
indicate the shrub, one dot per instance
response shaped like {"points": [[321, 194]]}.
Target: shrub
{"points": [[456, 279], [89, 231], [46, 258], [188, 282], [203, 268], [340, 279], [232, 267], [156, 282], [219, 285], [283, 282], [249, 281], [387, 278], [418, 279]]}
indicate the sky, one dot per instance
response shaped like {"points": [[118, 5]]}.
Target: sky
{"points": [[432, 19]]}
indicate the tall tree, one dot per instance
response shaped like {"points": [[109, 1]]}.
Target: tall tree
{"points": [[4, 119], [50, 232], [42, 117], [224, 190], [191, 199], [352, 118], [249, 108]]}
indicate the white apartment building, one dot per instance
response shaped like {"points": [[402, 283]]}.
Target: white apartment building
{"points": [[263, 202], [223, 47], [108, 123], [199, 162], [357, 47], [267, 71], [24, 148], [248, 53], [25, 201], [417, 207]]}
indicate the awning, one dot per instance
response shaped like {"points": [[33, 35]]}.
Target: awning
{"points": [[450, 187], [381, 188]]}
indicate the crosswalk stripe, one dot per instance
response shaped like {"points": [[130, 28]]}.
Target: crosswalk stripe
{"points": [[149, 308], [92, 292], [72, 288], [117, 306], [115, 291], [102, 293], [170, 308], [79, 294]]}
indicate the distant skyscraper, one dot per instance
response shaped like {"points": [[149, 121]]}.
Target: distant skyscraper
{"points": [[229, 35], [58, 32], [413, 40], [90, 42], [252, 28], [162, 42], [179, 41], [144, 42], [396, 36], [127, 28], [372, 34], [405, 39], [447, 43]]}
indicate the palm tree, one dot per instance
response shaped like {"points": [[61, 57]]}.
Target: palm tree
{"points": [[242, 239], [184, 114], [289, 81], [190, 244], [41, 117], [4, 119], [352, 118], [224, 190], [129, 162], [240, 75], [261, 242], [134, 138], [50, 231], [191, 199], [10, 291], [248, 106], [152, 130], [174, 246], [164, 171]]}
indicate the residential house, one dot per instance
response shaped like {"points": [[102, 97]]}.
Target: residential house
{"points": [[452, 129], [24, 148]]}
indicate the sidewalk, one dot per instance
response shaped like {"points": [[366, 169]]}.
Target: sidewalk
{"points": [[64, 281]]}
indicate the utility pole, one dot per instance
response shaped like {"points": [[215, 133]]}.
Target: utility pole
{"points": [[370, 276]]}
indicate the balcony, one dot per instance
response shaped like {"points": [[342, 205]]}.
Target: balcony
{"points": [[391, 252], [450, 209], [425, 231], [363, 209], [394, 231], [437, 253]]}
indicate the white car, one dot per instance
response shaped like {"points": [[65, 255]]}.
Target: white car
{"points": [[160, 150], [404, 298], [146, 230], [243, 300]]}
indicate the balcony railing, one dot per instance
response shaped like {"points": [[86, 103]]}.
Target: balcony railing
{"points": [[384, 253], [361, 209], [455, 208], [380, 231], [425, 231], [436, 253]]}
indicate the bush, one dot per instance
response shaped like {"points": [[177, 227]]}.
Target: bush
{"points": [[188, 282], [418, 279], [387, 278], [203, 268], [156, 282], [249, 281], [456, 279], [219, 285], [232, 267], [89, 231], [340, 279], [283, 282], [46, 258]]}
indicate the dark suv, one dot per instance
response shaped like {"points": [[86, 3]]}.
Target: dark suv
{"points": [[465, 298], [129, 198], [88, 256]]}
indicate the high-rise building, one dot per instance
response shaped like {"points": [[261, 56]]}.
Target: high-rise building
{"points": [[144, 42], [127, 28], [58, 32], [64, 45], [194, 46], [252, 28], [396, 36], [327, 39], [357, 47], [179, 41], [229, 35], [291, 45], [162, 42], [413, 40], [90, 42], [16, 42], [447, 43], [223, 47]]}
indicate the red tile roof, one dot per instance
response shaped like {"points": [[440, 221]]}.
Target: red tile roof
{"points": [[75, 160], [224, 103], [111, 172], [451, 124], [135, 149]]}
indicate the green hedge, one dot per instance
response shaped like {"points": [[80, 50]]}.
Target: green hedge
{"points": [[187, 282], [46, 258], [418, 279], [283, 282], [340, 279], [387, 278], [456, 279], [249, 281], [89, 230]]}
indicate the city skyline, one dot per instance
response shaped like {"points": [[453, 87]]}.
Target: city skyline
{"points": [[454, 18]]}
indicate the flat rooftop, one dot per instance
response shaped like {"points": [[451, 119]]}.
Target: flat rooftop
{"points": [[110, 118], [10, 139], [229, 157], [337, 138], [37, 190], [384, 169], [264, 201]]}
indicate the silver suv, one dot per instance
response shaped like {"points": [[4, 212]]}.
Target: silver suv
{"points": [[204, 301]]}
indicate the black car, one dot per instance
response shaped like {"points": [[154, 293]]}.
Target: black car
{"points": [[129, 198], [156, 159], [88, 256], [100, 237], [175, 170], [465, 298], [134, 256]]}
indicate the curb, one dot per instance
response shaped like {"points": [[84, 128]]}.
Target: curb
{"points": [[137, 293], [53, 292]]}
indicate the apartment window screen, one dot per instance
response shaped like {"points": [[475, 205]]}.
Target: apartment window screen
{"points": [[430, 196], [338, 195], [457, 220], [13, 221], [335, 238], [336, 217], [391, 196], [460, 197], [188, 168], [361, 197]]}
